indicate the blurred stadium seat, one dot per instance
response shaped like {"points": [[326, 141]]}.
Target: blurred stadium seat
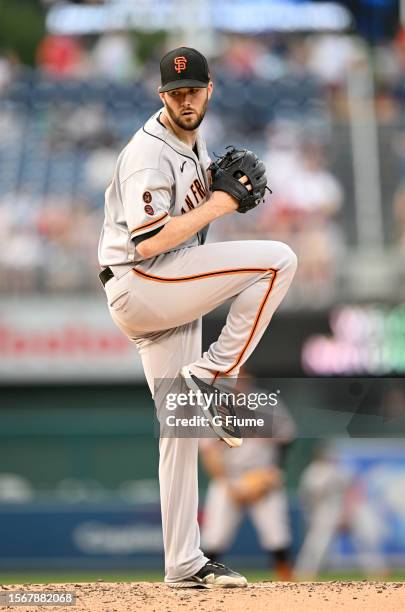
{"points": [[62, 134]]}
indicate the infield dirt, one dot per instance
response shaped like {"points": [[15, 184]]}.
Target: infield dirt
{"points": [[257, 597]]}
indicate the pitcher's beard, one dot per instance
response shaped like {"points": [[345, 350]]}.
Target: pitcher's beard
{"points": [[184, 123]]}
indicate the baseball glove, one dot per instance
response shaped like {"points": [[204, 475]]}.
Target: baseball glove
{"points": [[229, 168], [255, 484]]}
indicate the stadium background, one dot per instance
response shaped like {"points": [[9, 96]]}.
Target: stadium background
{"points": [[317, 89]]}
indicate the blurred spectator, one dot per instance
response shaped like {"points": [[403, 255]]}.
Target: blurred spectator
{"points": [[283, 159], [297, 57], [310, 198], [241, 56], [114, 57], [100, 166], [85, 127], [331, 57], [314, 190], [61, 56], [9, 67], [49, 247]]}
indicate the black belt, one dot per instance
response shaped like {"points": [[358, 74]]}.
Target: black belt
{"points": [[106, 275]]}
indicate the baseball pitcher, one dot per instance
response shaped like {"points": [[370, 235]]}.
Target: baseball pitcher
{"points": [[160, 278]]}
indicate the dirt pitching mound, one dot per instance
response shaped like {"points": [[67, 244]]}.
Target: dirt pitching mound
{"points": [[257, 597]]}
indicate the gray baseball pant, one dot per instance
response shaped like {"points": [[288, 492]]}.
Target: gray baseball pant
{"points": [[159, 305]]}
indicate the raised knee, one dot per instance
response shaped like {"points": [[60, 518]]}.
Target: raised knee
{"points": [[291, 259], [285, 257]]}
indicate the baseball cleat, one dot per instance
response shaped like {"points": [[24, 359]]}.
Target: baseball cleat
{"points": [[211, 575], [220, 413]]}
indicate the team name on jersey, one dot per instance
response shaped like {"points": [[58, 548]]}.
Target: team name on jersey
{"points": [[195, 195]]}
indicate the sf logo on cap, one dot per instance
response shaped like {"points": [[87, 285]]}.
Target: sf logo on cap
{"points": [[180, 63]]}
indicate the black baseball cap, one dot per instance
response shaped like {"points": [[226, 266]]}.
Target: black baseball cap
{"points": [[183, 67]]}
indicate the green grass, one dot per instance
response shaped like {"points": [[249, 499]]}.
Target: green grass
{"points": [[150, 576]]}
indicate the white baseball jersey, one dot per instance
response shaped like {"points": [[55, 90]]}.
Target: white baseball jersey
{"points": [[156, 177]]}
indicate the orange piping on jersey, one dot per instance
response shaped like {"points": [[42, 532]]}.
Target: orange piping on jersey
{"points": [[149, 224], [161, 279]]}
